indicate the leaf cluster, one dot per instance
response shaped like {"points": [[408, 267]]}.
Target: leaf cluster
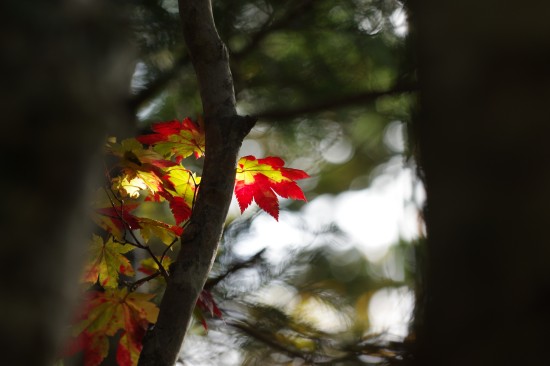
{"points": [[149, 169]]}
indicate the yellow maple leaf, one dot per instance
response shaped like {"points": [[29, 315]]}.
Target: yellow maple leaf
{"points": [[107, 261]]}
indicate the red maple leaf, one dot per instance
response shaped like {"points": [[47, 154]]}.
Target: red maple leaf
{"points": [[206, 304], [116, 219], [175, 138], [262, 180], [94, 347], [181, 187], [180, 209]]}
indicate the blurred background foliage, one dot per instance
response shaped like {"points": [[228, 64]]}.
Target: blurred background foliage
{"points": [[331, 85]]}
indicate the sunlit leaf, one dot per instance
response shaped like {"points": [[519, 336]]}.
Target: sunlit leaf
{"points": [[140, 167], [260, 179], [176, 139], [181, 188], [116, 218], [153, 228], [128, 187], [183, 183]]}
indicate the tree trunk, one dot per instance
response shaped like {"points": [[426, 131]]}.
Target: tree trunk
{"points": [[64, 81], [482, 129], [225, 131]]}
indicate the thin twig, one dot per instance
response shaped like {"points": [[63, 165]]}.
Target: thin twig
{"points": [[120, 214], [234, 268], [133, 235], [265, 338], [167, 248], [133, 286]]}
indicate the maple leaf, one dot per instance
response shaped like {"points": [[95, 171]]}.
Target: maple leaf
{"points": [[165, 232], [113, 310], [180, 209], [128, 349], [261, 179], [95, 347], [141, 168], [206, 303], [146, 175], [181, 186], [128, 187], [131, 151], [107, 261], [176, 139], [116, 219], [149, 266], [182, 183]]}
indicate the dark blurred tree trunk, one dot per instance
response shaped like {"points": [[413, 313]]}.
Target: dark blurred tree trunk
{"points": [[482, 129], [65, 71]]}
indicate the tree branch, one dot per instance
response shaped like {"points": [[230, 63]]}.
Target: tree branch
{"points": [[268, 339], [334, 103], [234, 268], [224, 131]]}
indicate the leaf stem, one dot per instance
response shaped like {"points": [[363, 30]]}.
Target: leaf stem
{"points": [[134, 286], [133, 235]]}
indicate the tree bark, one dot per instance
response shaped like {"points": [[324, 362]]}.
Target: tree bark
{"points": [[482, 129], [224, 131]]}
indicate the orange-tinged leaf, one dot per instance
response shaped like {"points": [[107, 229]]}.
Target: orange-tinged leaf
{"points": [[176, 139], [139, 313], [165, 232], [128, 350], [260, 179], [99, 315], [142, 308], [117, 219], [113, 216], [95, 347], [149, 266], [116, 309], [107, 262]]}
